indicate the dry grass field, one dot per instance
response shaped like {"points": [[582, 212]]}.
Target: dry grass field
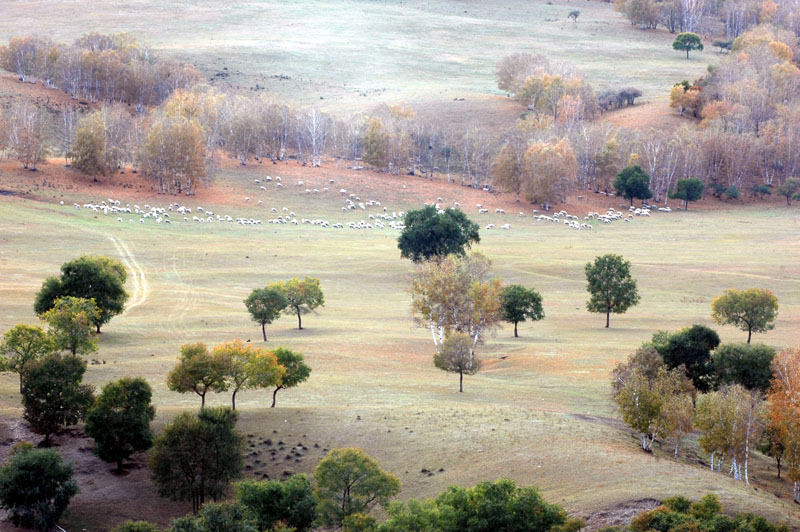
{"points": [[539, 412], [351, 55]]}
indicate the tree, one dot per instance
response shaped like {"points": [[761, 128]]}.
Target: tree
{"points": [[70, 324], [771, 444], [486, 507], [245, 367], [197, 456], [302, 297], [135, 526], [98, 278], [295, 370], [747, 364], [119, 420], [751, 310], [520, 304], [23, 344], [27, 134], [218, 517], [690, 348], [265, 305], [98, 147], [687, 42], [429, 234], [644, 403], [789, 189], [574, 14], [457, 356], [646, 360], [348, 482], [784, 411], [731, 420], [53, 395], [36, 487], [197, 371], [688, 190], [551, 168], [610, 285], [290, 502], [633, 183], [376, 144]]}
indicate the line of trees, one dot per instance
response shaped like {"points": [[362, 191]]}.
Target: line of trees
{"points": [[98, 68]]}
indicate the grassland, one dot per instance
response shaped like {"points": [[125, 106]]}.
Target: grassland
{"points": [[358, 53], [538, 413]]}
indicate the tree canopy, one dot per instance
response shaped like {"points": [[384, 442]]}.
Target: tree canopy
{"points": [[295, 370], [457, 356], [747, 364], [290, 502], [789, 189], [689, 189], [23, 344], [197, 456], [430, 233], [98, 278], [53, 393], [349, 482], [69, 323], [36, 486], [119, 420], [197, 371], [610, 286], [687, 42], [245, 366], [520, 304], [302, 297], [691, 348], [265, 306], [751, 310], [633, 183]]}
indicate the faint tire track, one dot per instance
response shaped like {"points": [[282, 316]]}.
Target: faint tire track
{"points": [[141, 288]]}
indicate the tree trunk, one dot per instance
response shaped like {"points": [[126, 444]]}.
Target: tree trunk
{"points": [[778, 460], [233, 400], [202, 401], [687, 53], [749, 334], [461, 381], [274, 394], [264, 331], [299, 320], [98, 328], [608, 317], [515, 330], [20, 382]]}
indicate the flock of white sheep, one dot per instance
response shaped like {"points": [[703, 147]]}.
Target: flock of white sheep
{"points": [[352, 202]]}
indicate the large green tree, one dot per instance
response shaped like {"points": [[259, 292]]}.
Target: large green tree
{"points": [[633, 183], [687, 42], [610, 286], [691, 348], [119, 420], [99, 278], [69, 323], [747, 364], [265, 306], [36, 487], [751, 310], [23, 344], [295, 370], [430, 233], [302, 297], [53, 393], [228, 516], [689, 189], [290, 502], [197, 371], [197, 456], [520, 304], [349, 482]]}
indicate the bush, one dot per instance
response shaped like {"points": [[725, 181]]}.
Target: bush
{"points": [[135, 526], [271, 502], [36, 487]]}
